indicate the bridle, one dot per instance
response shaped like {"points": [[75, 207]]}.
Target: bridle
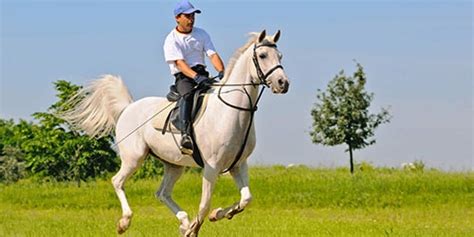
{"points": [[262, 77], [262, 80]]}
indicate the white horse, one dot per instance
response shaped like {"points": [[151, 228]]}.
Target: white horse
{"points": [[221, 132]]}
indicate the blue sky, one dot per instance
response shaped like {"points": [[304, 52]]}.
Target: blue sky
{"points": [[417, 56]]}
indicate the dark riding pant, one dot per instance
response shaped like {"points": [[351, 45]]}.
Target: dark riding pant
{"points": [[185, 87], [184, 84]]}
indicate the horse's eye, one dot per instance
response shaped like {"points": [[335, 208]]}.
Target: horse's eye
{"points": [[262, 56]]}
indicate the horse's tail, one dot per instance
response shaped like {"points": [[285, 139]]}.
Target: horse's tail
{"points": [[96, 108]]}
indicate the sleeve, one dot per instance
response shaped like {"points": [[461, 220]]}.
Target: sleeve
{"points": [[208, 45], [172, 51]]}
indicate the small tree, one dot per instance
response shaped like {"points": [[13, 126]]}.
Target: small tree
{"points": [[341, 114]]}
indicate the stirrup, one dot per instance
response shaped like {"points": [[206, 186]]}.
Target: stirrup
{"points": [[186, 145], [186, 151]]}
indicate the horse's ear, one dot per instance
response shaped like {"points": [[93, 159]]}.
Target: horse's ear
{"points": [[276, 36], [262, 36]]}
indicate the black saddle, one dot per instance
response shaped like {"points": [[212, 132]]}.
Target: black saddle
{"points": [[173, 94], [173, 116]]}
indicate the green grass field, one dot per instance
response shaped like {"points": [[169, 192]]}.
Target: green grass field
{"points": [[287, 202]]}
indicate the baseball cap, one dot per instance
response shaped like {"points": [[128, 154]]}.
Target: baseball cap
{"points": [[185, 7]]}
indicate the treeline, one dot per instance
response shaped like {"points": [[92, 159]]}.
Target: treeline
{"points": [[50, 149]]}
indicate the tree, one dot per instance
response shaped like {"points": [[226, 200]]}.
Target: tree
{"points": [[341, 114], [56, 151], [51, 149]]}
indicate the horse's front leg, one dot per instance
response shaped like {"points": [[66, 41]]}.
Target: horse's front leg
{"points": [[241, 178], [208, 183]]}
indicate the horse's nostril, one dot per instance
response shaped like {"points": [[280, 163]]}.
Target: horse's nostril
{"points": [[285, 87], [281, 82]]}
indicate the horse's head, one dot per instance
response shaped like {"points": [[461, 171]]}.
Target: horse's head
{"points": [[267, 62]]}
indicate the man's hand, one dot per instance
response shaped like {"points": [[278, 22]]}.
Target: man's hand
{"points": [[202, 80], [220, 75]]}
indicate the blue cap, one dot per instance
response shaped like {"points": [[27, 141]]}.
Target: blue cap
{"points": [[185, 7]]}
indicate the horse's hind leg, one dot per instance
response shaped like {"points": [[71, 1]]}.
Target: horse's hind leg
{"points": [[171, 175], [241, 178], [130, 162]]}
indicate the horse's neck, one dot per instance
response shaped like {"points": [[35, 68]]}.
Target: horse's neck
{"points": [[236, 95]]}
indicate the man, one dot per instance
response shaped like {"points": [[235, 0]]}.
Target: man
{"points": [[184, 50]]}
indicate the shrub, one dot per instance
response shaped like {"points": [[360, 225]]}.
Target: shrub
{"points": [[365, 166], [12, 165], [151, 168], [419, 165], [416, 166]]}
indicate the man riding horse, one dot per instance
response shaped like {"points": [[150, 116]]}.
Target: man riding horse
{"points": [[184, 50]]}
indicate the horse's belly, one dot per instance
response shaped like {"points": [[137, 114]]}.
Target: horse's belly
{"points": [[166, 148]]}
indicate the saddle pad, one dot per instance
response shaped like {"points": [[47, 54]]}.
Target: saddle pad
{"points": [[159, 121]]}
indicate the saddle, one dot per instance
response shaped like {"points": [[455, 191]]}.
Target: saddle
{"points": [[173, 115], [199, 101]]}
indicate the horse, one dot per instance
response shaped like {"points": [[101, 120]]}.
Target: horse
{"points": [[225, 132]]}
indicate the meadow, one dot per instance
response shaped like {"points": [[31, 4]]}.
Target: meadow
{"points": [[297, 201]]}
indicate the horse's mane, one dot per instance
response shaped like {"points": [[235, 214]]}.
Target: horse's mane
{"points": [[233, 60]]}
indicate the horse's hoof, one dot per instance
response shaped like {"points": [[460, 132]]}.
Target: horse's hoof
{"points": [[193, 229], [183, 228], [190, 233], [182, 231], [120, 230], [229, 216], [233, 211], [123, 225], [214, 216]]}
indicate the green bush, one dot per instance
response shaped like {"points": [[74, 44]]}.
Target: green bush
{"points": [[151, 168], [416, 166], [12, 165], [365, 166]]}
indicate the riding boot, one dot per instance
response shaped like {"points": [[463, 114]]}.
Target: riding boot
{"points": [[185, 115]]}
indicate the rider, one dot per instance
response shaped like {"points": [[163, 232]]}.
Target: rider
{"points": [[184, 50]]}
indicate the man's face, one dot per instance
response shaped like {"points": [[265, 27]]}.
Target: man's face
{"points": [[185, 21]]}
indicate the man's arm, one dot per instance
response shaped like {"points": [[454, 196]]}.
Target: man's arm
{"points": [[217, 62], [185, 68], [187, 71]]}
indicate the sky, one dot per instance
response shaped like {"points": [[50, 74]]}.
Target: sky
{"points": [[417, 54]]}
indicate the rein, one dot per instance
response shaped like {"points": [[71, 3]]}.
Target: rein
{"points": [[253, 107]]}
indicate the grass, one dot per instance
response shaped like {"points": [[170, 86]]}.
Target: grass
{"points": [[287, 202]]}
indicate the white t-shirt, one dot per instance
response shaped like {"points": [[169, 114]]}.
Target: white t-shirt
{"points": [[189, 47]]}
